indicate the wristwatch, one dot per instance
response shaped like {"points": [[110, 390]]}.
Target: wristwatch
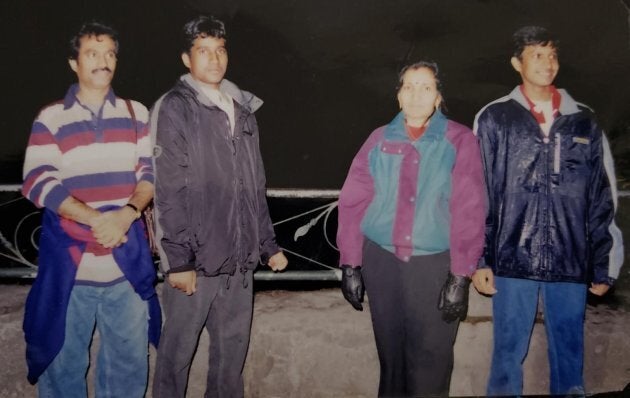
{"points": [[134, 208]]}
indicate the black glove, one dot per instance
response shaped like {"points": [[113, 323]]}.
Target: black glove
{"points": [[454, 298], [352, 286]]}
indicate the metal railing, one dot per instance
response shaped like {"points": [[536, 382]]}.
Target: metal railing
{"points": [[303, 220], [308, 219]]}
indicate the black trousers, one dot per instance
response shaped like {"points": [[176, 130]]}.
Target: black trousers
{"points": [[223, 305], [414, 344]]}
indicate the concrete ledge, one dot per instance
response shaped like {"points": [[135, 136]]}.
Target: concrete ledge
{"points": [[313, 344]]}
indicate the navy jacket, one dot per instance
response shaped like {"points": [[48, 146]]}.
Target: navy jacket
{"points": [[551, 201], [210, 189]]}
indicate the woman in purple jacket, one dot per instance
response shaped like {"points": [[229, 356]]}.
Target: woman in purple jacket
{"points": [[411, 226]]}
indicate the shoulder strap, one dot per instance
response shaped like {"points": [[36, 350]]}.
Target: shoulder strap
{"points": [[133, 114], [147, 213]]}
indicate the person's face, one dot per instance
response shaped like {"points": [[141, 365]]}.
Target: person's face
{"points": [[538, 66], [95, 63], [418, 96], [207, 60]]}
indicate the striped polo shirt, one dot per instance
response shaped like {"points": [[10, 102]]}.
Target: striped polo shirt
{"points": [[98, 158]]}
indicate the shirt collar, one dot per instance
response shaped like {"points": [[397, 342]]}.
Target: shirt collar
{"points": [[568, 105], [71, 96], [538, 113]]}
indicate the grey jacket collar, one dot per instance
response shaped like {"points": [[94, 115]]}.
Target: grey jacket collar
{"points": [[568, 105], [244, 98]]}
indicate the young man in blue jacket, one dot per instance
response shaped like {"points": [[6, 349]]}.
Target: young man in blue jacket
{"points": [[550, 228], [213, 225]]}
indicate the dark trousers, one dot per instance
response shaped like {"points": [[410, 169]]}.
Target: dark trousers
{"points": [[222, 304], [414, 344]]}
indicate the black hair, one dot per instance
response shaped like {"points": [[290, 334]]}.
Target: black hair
{"points": [[532, 36], [202, 26], [89, 29], [432, 66]]}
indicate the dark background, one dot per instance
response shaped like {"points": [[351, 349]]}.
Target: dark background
{"points": [[326, 69]]}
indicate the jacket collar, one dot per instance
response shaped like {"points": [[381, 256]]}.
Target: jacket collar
{"points": [[568, 105], [244, 98], [396, 131]]}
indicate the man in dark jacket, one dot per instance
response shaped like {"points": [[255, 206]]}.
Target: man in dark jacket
{"points": [[550, 229], [213, 225]]}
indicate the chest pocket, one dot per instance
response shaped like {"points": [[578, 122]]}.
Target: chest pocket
{"points": [[576, 157]]}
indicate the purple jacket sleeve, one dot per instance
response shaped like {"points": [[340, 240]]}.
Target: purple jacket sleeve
{"points": [[467, 205], [355, 197]]}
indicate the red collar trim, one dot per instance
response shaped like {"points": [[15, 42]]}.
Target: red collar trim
{"points": [[555, 104]]}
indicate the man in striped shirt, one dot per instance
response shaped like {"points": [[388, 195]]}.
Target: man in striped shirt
{"points": [[88, 165]]}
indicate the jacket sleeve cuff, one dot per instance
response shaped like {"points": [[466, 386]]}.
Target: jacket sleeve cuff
{"points": [[464, 269], [606, 281], [268, 249], [483, 263], [181, 268]]}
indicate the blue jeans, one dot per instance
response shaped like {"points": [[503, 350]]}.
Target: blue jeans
{"points": [[120, 316], [514, 312]]}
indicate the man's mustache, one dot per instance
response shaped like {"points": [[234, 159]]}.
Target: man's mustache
{"points": [[105, 69]]}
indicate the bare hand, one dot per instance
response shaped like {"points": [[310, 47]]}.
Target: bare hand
{"points": [[110, 228], [184, 281], [598, 289], [278, 262], [483, 279]]}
